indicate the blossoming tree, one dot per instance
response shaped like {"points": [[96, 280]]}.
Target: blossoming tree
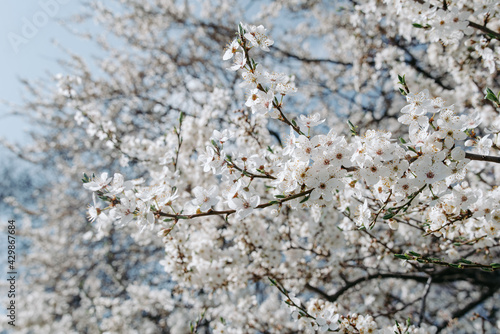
{"points": [[333, 169]]}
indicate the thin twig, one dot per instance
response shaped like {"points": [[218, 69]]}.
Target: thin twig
{"points": [[424, 297]]}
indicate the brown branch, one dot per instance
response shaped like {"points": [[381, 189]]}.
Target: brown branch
{"points": [[310, 60], [470, 306], [286, 121], [228, 212], [479, 278], [484, 29], [249, 174], [341, 291], [424, 297], [479, 157]]}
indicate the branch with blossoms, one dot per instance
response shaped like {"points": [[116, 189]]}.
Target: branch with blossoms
{"points": [[324, 319], [241, 46], [453, 20], [461, 264], [317, 169], [322, 316], [278, 201], [229, 161], [375, 179]]}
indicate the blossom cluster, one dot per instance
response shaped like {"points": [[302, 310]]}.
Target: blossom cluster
{"points": [[323, 167], [304, 165], [450, 25], [370, 176], [318, 169], [322, 316]]}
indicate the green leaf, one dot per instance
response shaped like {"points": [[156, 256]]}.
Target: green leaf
{"points": [[412, 149], [279, 196], [388, 216], [352, 127], [401, 256], [492, 96], [305, 199], [418, 25], [414, 253], [495, 265]]}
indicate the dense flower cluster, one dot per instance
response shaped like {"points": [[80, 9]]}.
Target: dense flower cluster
{"points": [[324, 167], [350, 158], [329, 170]]}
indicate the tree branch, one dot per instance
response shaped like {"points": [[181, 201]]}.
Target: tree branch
{"points": [[470, 306], [424, 297], [228, 212], [478, 278], [310, 60], [479, 157], [485, 30]]}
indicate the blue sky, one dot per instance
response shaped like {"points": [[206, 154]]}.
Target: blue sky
{"points": [[28, 30]]}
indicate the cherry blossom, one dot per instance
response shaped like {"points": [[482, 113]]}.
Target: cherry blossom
{"points": [[257, 36], [361, 197], [205, 198], [98, 183]]}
